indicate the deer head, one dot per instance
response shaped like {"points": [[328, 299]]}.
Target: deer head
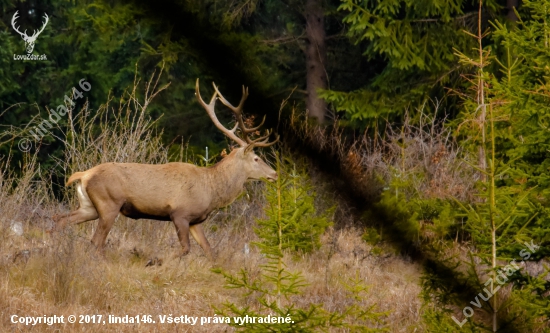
{"points": [[255, 166], [29, 40]]}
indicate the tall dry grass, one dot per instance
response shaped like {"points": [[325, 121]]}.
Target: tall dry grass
{"points": [[423, 152], [140, 274]]}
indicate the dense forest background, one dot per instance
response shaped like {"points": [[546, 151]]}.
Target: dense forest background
{"points": [[428, 120], [376, 60]]}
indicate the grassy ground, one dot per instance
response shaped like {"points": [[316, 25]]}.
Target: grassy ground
{"points": [[61, 274]]}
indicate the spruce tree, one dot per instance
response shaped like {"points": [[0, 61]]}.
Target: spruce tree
{"points": [[504, 121], [300, 226]]}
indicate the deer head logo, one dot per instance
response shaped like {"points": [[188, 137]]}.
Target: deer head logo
{"points": [[29, 40]]}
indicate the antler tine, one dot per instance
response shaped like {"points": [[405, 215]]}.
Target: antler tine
{"points": [[210, 110], [254, 129], [238, 111], [265, 143], [260, 139]]}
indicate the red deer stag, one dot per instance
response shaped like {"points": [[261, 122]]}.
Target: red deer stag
{"points": [[179, 192]]}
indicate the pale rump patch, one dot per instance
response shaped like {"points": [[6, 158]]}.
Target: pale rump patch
{"points": [[86, 205], [85, 212]]}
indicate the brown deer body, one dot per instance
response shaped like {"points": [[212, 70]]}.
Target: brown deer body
{"points": [[179, 192]]}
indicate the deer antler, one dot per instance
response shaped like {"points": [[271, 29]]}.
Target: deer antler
{"points": [[238, 111], [210, 110], [35, 34], [260, 142], [264, 140], [14, 18]]}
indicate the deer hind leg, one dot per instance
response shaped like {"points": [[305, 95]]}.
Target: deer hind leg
{"points": [[198, 234], [85, 212], [106, 221], [107, 208]]}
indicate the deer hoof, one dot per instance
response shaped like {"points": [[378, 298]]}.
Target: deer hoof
{"points": [[181, 255]]}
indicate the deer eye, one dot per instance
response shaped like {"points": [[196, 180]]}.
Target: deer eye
{"points": [[256, 159]]}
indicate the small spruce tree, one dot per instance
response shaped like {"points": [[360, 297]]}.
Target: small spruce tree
{"points": [[505, 126], [300, 227]]}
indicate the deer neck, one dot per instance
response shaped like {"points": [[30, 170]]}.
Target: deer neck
{"points": [[227, 179]]}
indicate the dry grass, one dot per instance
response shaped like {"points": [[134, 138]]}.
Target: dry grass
{"points": [[61, 274], [423, 153]]}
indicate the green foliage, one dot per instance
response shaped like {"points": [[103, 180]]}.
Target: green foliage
{"points": [[402, 212], [412, 41], [297, 226], [371, 236], [440, 321], [408, 33], [414, 217], [388, 97], [523, 135], [273, 291], [515, 136]]}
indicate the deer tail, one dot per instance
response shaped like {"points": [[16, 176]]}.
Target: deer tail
{"points": [[75, 176]]}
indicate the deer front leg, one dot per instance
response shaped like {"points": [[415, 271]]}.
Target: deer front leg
{"points": [[182, 228]]}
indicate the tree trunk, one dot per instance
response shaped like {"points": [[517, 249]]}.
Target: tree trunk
{"points": [[511, 4], [316, 56]]}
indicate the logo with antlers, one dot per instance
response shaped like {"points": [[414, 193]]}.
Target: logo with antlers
{"points": [[29, 40]]}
